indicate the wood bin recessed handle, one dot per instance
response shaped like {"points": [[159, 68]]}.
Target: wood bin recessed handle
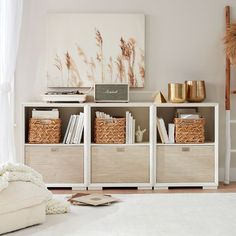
{"points": [[185, 149], [54, 149], [120, 149]]}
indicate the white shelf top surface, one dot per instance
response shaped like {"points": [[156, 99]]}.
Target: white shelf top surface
{"points": [[54, 144], [92, 144], [187, 104], [72, 104], [129, 104], [52, 104], [186, 144], [120, 144]]}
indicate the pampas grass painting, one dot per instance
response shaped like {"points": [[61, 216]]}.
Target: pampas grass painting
{"points": [[83, 49]]}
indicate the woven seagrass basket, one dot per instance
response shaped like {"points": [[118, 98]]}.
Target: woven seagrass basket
{"points": [[109, 131], [189, 130], [44, 131]]}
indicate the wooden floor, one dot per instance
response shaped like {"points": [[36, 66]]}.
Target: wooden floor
{"points": [[231, 188]]}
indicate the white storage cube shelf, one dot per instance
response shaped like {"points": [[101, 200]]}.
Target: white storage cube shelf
{"points": [[143, 165]]}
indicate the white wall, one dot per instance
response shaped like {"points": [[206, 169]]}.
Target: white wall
{"points": [[183, 42]]}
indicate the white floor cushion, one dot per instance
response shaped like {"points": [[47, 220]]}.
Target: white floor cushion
{"points": [[22, 218], [22, 204]]}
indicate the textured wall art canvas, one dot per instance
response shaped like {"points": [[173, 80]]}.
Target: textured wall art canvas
{"points": [[83, 49]]}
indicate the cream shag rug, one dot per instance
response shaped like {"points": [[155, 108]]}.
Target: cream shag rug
{"points": [[200, 214]]}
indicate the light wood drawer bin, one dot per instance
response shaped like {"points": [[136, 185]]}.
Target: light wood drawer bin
{"points": [[184, 164], [57, 164], [120, 164]]}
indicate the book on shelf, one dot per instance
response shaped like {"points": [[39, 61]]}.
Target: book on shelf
{"points": [[162, 130], [45, 113], [67, 130], [68, 138], [186, 110], [127, 126], [81, 127], [171, 133], [74, 129], [159, 130], [189, 116], [130, 128], [74, 140], [133, 131], [187, 113]]}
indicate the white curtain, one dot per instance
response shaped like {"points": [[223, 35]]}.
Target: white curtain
{"points": [[10, 21]]}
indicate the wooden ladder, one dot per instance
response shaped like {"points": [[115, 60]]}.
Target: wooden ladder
{"points": [[228, 120]]}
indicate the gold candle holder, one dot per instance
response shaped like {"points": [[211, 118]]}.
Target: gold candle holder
{"points": [[196, 91], [176, 92]]}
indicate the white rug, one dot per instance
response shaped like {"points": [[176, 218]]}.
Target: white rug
{"points": [[147, 215]]}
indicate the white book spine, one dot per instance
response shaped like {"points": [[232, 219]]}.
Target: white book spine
{"points": [[133, 134], [164, 131], [74, 129], [71, 129], [67, 130], [81, 128], [130, 128], [171, 132], [159, 130], [127, 126], [75, 139]]}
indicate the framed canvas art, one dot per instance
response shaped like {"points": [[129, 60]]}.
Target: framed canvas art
{"points": [[84, 49]]}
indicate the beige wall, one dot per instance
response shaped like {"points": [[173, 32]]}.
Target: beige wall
{"points": [[183, 41]]}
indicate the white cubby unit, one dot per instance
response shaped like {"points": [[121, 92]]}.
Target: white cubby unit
{"points": [[143, 165], [122, 165], [195, 164], [90, 165], [61, 165]]}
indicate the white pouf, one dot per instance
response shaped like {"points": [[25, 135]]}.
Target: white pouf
{"points": [[22, 204]]}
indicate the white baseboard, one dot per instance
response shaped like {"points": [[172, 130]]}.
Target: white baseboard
{"points": [[232, 174]]}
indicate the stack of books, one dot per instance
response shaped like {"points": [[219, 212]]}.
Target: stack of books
{"points": [[102, 115], [45, 114], [130, 128], [187, 113], [74, 129]]}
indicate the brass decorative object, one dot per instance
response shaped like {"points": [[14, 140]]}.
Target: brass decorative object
{"points": [[196, 91], [159, 98], [176, 92]]}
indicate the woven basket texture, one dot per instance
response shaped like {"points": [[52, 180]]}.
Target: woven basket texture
{"points": [[46, 131], [189, 130], [109, 131]]}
